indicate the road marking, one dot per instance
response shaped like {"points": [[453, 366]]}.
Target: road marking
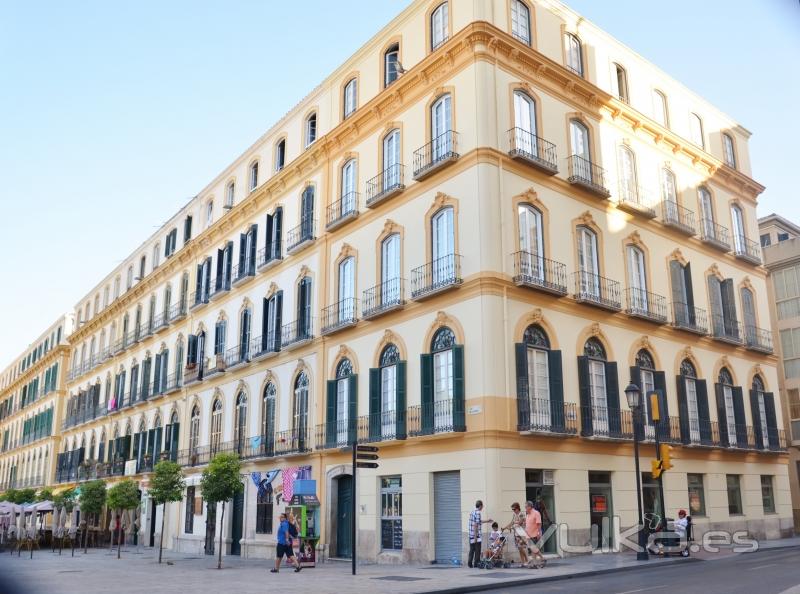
{"points": [[643, 589], [762, 566]]}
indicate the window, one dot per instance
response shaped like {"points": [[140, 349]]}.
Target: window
{"points": [[116, 287], [341, 403], [765, 240], [273, 247], [595, 353], [347, 290], [531, 242], [304, 308], [660, 110], [574, 53], [521, 21], [271, 323], [240, 422], [156, 255], [392, 170], [734, 495], [194, 430], [441, 128], [637, 281], [254, 176], [724, 321], [739, 236], [689, 378], [533, 371], [391, 63], [443, 246], [682, 295], [224, 260], [209, 213], [349, 197], [300, 407], [220, 331], [230, 193], [439, 25], [728, 150], [707, 213], [307, 214], [783, 237], [391, 513], [268, 414], [579, 138], [697, 495], [749, 316], [350, 97], [758, 401], [628, 186], [245, 320], [725, 407], [128, 282], [247, 252], [188, 526], [187, 228], [388, 376], [696, 130], [280, 154], [216, 426], [647, 382], [264, 510], [787, 293], [525, 139], [620, 83], [588, 262], [171, 243], [142, 267], [443, 352], [767, 494], [311, 129]]}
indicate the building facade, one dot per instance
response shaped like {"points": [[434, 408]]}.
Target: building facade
{"points": [[461, 246], [32, 393], [780, 240]]}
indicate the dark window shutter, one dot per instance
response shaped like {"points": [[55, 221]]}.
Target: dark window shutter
{"points": [[426, 392], [678, 296], [167, 437], [683, 408], [738, 411], [330, 414], [187, 228], [400, 406], [198, 283], [664, 425], [157, 446], [375, 412], [278, 320], [687, 283], [772, 420], [136, 454], [754, 411], [269, 239], [251, 268], [729, 303], [352, 405], [173, 448], [585, 395], [459, 397], [278, 222], [157, 376], [703, 411], [191, 350], [721, 415], [555, 372], [717, 313], [523, 402], [126, 447], [220, 263], [612, 399], [229, 249], [242, 252], [636, 378], [207, 272]]}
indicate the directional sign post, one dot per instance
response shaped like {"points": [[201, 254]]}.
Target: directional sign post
{"points": [[361, 453]]}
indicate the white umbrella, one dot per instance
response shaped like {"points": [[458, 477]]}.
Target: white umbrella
{"points": [[56, 520], [21, 525]]}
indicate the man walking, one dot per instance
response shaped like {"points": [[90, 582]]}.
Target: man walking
{"points": [[475, 522], [285, 546], [533, 528]]}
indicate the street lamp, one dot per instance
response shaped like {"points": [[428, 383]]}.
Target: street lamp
{"points": [[634, 396]]}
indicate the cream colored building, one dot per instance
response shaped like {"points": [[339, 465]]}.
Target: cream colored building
{"points": [[780, 240], [32, 393], [461, 246]]}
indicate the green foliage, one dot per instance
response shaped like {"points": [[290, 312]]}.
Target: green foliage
{"points": [[26, 496], [65, 499], [45, 494], [123, 495], [10, 495], [166, 484], [220, 480], [93, 497]]}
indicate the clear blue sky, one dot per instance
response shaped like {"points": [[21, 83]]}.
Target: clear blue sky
{"points": [[113, 114]]}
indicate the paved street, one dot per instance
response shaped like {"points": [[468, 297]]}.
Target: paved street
{"points": [[767, 572]]}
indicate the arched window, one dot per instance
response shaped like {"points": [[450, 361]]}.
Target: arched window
{"points": [[268, 417], [194, 430], [739, 236], [310, 129], [171, 436], [589, 262], [696, 130], [209, 213], [384, 419], [728, 150], [392, 169], [628, 185], [443, 246], [444, 405], [441, 128], [604, 412], [230, 194], [349, 100], [280, 154], [390, 290], [240, 422], [439, 25], [521, 21], [706, 212], [216, 425], [638, 297], [300, 411], [346, 305], [129, 278], [391, 61], [525, 138], [647, 382], [531, 243], [581, 160], [167, 304], [253, 176], [669, 195], [304, 329], [620, 83], [660, 110], [758, 403], [245, 320], [726, 409], [533, 379], [348, 196], [751, 330], [574, 53], [342, 402], [156, 255]]}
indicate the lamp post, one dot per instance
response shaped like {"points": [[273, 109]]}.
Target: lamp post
{"points": [[634, 396]]}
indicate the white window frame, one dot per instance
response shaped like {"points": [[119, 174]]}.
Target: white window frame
{"points": [[440, 25], [350, 97]]}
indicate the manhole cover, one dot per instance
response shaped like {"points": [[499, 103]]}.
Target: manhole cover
{"points": [[399, 578]]}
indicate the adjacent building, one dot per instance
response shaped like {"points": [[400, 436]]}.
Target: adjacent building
{"points": [[461, 247], [780, 240]]}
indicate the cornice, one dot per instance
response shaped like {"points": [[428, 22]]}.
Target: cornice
{"points": [[35, 369]]}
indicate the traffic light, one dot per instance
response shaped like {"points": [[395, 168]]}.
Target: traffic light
{"points": [[655, 468], [665, 453], [654, 412], [366, 453]]}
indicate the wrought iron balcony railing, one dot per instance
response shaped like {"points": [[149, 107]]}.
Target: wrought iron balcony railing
{"points": [[536, 151], [758, 339], [726, 330], [220, 285], [297, 332], [647, 305], [199, 298], [339, 315], [746, 249], [441, 416], [537, 272], [636, 199], [386, 184], [594, 289], [540, 415], [715, 235], [177, 312], [341, 211], [301, 235], [438, 275], [679, 218], [269, 343], [244, 271], [438, 153], [690, 318], [382, 298], [588, 175], [270, 254]]}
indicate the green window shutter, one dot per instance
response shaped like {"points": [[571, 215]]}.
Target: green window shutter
{"points": [[683, 408], [756, 413], [612, 399], [459, 396], [157, 447], [660, 380], [426, 393], [772, 420], [330, 414], [585, 396], [703, 411], [523, 402], [557, 419], [352, 411], [738, 413], [400, 407], [173, 448], [375, 412], [136, 437], [721, 414]]}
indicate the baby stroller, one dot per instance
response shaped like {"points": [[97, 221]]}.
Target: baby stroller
{"points": [[664, 540], [494, 557]]}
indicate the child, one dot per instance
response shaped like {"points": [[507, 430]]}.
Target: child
{"points": [[494, 540]]}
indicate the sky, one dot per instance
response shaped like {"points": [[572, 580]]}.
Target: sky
{"points": [[112, 115]]}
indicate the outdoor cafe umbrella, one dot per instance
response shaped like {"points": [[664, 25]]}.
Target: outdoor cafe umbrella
{"points": [[56, 520], [73, 522]]}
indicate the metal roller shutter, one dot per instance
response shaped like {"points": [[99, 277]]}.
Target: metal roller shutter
{"points": [[447, 516]]}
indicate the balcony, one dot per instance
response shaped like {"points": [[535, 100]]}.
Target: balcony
{"points": [[747, 250], [606, 423], [336, 434], [645, 305], [442, 416], [174, 382], [244, 272], [237, 355], [383, 298], [438, 153], [83, 415], [758, 339], [301, 236], [537, 272], [269, 256], [597, 290], [264, 346], [725, 330], [220, 286], [587, 175], [177, 312], [292, 441], [342, 211], [440, 275], [679, 218], [689, 318], [193, 373], [528, 148], [386, 185], [199, 299], [213, 365], [636, 200], [160, 322], [540, 415], [339, 316], [297, 333], [715, 235]]}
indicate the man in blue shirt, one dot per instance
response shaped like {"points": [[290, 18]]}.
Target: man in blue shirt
{"points": [[284, 546]]}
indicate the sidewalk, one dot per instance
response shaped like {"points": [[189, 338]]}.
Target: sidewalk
{"points": [[99, 571]]}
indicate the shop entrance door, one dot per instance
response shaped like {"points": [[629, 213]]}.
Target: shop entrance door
{"points": [[601, 512], [543, 497], [344, 510]]}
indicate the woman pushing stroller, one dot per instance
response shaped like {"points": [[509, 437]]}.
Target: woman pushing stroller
{"points": [[527, 530]]}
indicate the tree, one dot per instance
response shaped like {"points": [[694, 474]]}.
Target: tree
{"points": [[10, 495], [166, 485], [123, 496], [92, 498], [26, 496], [65, 499], [221, 482], [45, 494]]}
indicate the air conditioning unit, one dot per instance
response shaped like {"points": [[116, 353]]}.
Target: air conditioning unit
{"points": [[548, 477]]}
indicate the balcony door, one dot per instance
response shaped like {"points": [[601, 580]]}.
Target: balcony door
{"points": [[627, 174], [689, 378], [579, 136], [525, 121], [708, 213], [647, 374], [391, 160], [531, 242], [348, 204], [344, 373], [749, 315], [443, 379], [537, 346], [443, 246], [637, 279], [388, 370], [390, 270], [346, 289], [441, 117], [589, 263], [598, 393], [726, 382], [738, 229]]}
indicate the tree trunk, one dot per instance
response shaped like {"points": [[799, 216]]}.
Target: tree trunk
{"points": [[161, 538], [86, 536], [221, 524], [119, 539]]}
